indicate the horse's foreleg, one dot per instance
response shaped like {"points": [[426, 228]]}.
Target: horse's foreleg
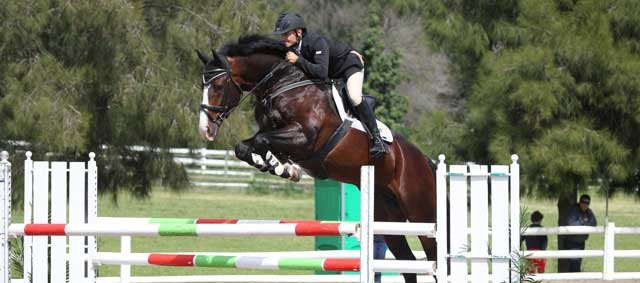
{"points": [[246, 151], [265, 161], [288, 140]]}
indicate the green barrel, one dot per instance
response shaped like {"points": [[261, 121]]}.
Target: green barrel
{"points": [[336, 201]]}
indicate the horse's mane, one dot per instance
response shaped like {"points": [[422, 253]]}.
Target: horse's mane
{"points": [[254, 44]]}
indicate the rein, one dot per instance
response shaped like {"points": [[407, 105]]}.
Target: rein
{"points": [[286, 88]]}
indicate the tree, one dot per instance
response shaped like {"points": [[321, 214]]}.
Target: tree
{"points": [[382, 75], [554, 82], [80, 77], [439, 132]]}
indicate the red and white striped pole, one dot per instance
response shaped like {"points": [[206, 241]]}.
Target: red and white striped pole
{"points": [[289, 229]]}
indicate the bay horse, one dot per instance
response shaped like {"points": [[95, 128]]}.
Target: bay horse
{"points": [[297, 123]]}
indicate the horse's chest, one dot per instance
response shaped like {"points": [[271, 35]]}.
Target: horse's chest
{"points": [[270, 117]]}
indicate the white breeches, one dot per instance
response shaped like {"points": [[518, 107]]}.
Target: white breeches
{"points": [[354, 87]]}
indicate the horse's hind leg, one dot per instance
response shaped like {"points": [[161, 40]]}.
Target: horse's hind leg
{"points": [[424, 214], [387, 210], [416, 193], [421, 214], [401, 251]]}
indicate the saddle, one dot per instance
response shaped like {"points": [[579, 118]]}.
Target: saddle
{"points": [[346, 111]]}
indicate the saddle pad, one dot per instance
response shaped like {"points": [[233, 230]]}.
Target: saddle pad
{"points": [[385, 132]]}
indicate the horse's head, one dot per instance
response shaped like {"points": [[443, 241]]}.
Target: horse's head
{"points": [[219, 95]]}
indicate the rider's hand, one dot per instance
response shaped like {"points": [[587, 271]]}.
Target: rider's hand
{"points": [[292, 57]]}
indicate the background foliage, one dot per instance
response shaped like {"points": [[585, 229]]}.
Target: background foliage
{"points": [[81, 76]]}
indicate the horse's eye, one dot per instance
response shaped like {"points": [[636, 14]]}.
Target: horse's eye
{"points": [[218, 87]]}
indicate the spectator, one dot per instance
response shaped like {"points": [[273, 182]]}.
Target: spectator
{"points": [[536, 243], [379, 252], [579, 215]]}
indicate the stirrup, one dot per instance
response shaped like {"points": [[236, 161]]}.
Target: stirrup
{"points": [[378, 149]]}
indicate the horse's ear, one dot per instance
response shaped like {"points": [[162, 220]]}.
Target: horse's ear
{"points": [[219, 60], [202, 57]]}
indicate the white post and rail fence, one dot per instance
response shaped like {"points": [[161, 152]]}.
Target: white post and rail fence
{"points": [[220, 168], [215, 168]]}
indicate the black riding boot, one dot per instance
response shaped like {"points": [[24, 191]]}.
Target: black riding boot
{"points": [[368, 119]]}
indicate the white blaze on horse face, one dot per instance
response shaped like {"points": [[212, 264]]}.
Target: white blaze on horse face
{"points": [[205, 125]]}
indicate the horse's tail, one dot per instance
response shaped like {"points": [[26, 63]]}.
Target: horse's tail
{"points": [[432, 164]]}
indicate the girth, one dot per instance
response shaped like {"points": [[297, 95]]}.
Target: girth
{"points": [[319, 156]]}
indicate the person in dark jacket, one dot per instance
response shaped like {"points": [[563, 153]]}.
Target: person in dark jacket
{"points": [[536, 243], [322, 58], [579, 215]]}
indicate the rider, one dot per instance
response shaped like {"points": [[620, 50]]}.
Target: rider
{"points": [[322, 58]]}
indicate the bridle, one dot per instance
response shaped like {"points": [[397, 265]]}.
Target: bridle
{"points": [[223, 109]]}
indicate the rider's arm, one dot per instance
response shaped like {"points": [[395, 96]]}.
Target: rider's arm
{"points": [[592, 218], [319, 69]]}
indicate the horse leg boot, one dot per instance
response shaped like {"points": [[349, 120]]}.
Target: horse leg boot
{"points": [[368, 117], [285, 139], [284, 170], [269, 163], [246, 152]]}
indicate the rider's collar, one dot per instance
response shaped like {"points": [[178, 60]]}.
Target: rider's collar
{"points": [[299, 45]]}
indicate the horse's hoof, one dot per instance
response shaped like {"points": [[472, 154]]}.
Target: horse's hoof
{"points": [[295, 174]]}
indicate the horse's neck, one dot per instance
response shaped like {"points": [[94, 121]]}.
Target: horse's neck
{"points": [[283, 76]]}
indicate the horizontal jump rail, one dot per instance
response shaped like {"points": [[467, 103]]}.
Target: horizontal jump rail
{"points": [[380, 228], [170, 229], [270, 278], [145, 220], [293, 229], [478, 174], [578, 230], [585, 276], [295, 254], [579, 253], [261, 262]]}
